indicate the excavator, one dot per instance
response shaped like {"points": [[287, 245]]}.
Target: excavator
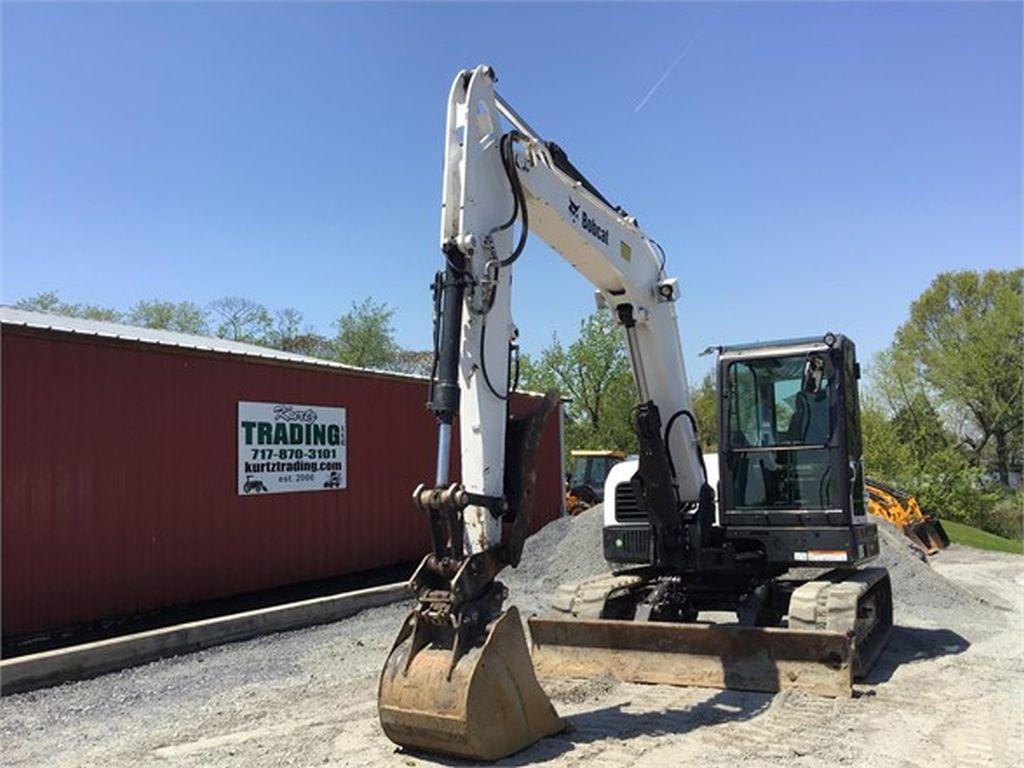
{"points": [[925, 532], [460, 679], [584, 485]]}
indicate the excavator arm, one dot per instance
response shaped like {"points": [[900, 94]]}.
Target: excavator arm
{"points": [[493, 178], [503, 183]]}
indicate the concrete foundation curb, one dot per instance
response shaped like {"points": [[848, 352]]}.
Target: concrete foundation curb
{"points": [[40, 670]]}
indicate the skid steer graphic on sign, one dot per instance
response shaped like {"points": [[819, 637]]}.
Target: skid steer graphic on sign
{"points": [[334, 481], [253, 486]]}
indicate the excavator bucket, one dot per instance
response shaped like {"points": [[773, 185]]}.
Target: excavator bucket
{"points": [[744, 658], [919, 538], [938, 533], [485, 706], [928, 534], [902, 510]]}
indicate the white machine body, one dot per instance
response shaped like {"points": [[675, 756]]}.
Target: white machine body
{"points": [[603, 243], [623, 472]]}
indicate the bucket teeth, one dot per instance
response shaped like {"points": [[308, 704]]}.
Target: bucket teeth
{"points": [[485, 706]]}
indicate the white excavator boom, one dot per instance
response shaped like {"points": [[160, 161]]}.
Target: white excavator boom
{"points": [[605, 244]]}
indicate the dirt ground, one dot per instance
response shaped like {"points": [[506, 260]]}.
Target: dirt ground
{"points": [[948, 691]]}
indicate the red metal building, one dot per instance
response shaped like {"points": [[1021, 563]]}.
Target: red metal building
{"points": [[120, 466]]}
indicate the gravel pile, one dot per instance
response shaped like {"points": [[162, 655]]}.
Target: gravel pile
{"points": [[569, 549], [920, 593], [565, 550]]}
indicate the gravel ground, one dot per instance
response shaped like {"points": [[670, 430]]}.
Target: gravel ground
{"points": [[948, 690]]}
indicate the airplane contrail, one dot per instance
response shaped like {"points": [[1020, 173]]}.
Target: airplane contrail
{"points": [[680, 57]]}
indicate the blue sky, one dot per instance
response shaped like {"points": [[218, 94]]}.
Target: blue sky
{"points": [[806, 167]]}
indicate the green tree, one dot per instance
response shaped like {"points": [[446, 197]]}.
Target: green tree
{"points": [[287, 327], [886, 456], [705, 412], [365, 336], [47, 301], [594, 372], [241, 319], [51, 303], [182, 316], [415, 361], [912, 450], [312, 344], [964, 342], [290, 334]]}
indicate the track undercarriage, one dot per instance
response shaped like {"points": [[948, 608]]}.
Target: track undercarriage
{"points": [[815, 632]]}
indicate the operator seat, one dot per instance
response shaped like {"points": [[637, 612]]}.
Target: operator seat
{"points": [[810, 422]]}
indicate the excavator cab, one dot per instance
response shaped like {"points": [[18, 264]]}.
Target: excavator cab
{"points": [[791, 473], [790, 489], [789, 494]]}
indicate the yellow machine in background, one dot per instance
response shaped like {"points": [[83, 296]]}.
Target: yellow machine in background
{"points": [[902, 510], [584, 485]]}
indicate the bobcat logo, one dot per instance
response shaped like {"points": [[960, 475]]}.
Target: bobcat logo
{"points": [[588, 223]]}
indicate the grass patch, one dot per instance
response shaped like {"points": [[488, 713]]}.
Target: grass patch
{"points": [[975, 537]]}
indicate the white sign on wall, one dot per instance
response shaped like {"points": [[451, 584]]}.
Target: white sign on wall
{"points": [[284, 447]]}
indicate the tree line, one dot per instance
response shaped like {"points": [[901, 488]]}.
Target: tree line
{"points": [[941, 408], [363, 335]]}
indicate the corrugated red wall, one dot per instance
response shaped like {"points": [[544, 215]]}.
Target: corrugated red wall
{"points": [[119, 478]]}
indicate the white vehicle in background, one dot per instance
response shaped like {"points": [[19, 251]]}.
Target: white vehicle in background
{"points": [[627, 532]]}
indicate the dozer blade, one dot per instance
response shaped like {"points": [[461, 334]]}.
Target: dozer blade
{"points": [[489, 705], [745, 658]]}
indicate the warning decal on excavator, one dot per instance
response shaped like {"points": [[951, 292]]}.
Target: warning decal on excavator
{"points": [[822, 556]]}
